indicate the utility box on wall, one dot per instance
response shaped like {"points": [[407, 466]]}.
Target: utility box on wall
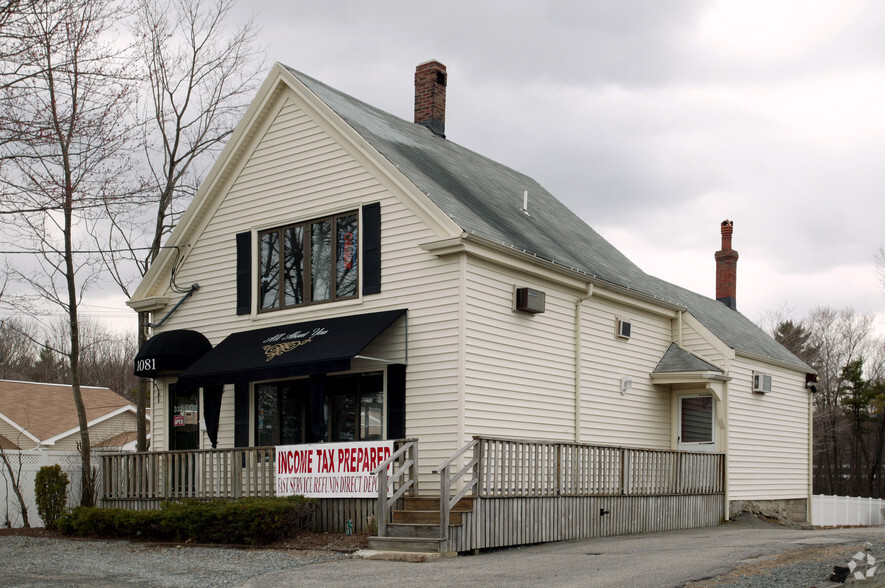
{"points": [[529, 300]]}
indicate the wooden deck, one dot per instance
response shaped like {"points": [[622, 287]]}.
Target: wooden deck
{"points": [[520, 491], [527, 492], [536, 491]]}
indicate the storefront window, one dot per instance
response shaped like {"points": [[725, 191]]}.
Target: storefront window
{"points": [[279, 413], [371, 415], [353, 409], [315, 261]]}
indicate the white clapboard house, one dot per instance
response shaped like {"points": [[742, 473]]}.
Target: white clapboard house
{"points": [[346, 275]]}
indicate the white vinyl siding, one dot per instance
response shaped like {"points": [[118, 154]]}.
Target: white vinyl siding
{"points": [[297, 172], [16, 436], [768, 434], [475, 367], [121, 423], [641, 416], [519, 374]]}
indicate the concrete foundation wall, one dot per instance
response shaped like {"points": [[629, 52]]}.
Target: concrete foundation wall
{"points": [[792, 510]]}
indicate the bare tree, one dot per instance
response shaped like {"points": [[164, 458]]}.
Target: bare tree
{"points": [[17, 350], [839, 338], [66, 135], [12, 474], [200, 72], [106, 358]]}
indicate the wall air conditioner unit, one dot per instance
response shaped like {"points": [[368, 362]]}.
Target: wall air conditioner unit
{"points": [[624, 328], [761, 383], [529, 300]]}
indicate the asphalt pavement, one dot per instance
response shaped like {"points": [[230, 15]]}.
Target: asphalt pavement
{"points": [[653, 560]]}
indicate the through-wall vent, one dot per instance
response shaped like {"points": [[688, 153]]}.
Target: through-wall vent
{"points": [[625, 328]]}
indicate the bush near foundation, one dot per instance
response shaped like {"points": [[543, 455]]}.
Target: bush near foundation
{"points": [[250, 521]]}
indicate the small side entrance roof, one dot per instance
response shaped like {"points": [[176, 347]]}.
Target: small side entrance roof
{"points": [[284, 351]]}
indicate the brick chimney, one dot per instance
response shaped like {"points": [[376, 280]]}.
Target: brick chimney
{"points": [[430, 96], [726, 268]]}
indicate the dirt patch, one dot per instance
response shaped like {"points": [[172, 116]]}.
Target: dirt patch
{"points": [[304, 540]]}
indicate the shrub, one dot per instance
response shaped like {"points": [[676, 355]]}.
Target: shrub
{"points": [[51, 489], [247, 520]]}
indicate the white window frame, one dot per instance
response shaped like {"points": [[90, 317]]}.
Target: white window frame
{"points": [[709, 446]]}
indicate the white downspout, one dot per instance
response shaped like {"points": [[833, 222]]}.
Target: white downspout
{"points": [[809, 513], [578, 351]]}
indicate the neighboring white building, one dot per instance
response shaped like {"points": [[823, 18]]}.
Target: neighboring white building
{"points": [[360, 276]]}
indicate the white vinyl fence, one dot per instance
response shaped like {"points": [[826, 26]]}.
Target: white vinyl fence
{"points": [[836, 511], [30, 463]]}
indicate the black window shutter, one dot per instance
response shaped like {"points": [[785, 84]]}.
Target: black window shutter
{"points": [[241, 415], [244, 273], [396, 401], [372, 248]]}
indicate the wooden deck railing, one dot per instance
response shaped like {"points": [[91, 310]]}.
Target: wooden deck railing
{"points": [[449, 480], [519, 468], [522, 468], [202, 474], [403, 478]]}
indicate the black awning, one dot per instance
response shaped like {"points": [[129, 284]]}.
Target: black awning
{"points": [[297, 349], [170, 352]]}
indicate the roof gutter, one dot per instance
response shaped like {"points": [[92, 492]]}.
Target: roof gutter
{"points": [[459, 244]]}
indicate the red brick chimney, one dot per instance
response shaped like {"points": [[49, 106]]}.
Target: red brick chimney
{"points": [[430, 96], [726, 269]]}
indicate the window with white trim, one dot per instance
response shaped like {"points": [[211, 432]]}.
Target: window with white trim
{"points": [[310, 262], [696, 420]]}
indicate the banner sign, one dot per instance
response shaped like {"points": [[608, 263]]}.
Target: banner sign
{"points": [[332, 470]]}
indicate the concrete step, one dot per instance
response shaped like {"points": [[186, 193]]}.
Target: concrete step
{"points": [[407, 544], [425, 517]]}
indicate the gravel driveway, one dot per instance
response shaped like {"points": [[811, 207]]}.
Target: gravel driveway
{"points": [[33, 561]]}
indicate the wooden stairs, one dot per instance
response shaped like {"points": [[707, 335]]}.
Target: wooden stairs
{"points": [[415, 528]]}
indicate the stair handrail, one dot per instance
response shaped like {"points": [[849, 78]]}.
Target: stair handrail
{"points": [[411, 483], [446, 481]]}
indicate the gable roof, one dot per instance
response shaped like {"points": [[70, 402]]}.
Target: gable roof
{"points": [[5, 443], [46, 412], [485, 198], [678, 360]]}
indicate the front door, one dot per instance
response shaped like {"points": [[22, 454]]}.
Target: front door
{"points": [[184, 418]]}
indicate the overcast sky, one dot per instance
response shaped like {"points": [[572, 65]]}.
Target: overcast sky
{"points": [[654, 121]]}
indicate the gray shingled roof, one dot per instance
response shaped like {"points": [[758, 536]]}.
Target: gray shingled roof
{"points": [[485, 198], [678, 360]]}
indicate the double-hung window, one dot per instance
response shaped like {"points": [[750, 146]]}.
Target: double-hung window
{"points": [[697, 421], [310, 262]]}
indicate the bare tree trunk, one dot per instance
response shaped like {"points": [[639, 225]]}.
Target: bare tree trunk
{"points": [[15, 480], [142, 392], [87, 497]]}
